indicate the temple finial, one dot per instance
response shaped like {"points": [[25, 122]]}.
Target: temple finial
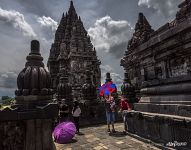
{"points": [[142, 22], [35, 46], [71, 3], [72, 11]]}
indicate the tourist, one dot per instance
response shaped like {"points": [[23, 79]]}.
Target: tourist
{"points": [[63, 111], [110, 111], [76, 111], [124, 108]]}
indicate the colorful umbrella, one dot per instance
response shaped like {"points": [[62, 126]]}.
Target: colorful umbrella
{"points": [[107, 89], [64, 132]]}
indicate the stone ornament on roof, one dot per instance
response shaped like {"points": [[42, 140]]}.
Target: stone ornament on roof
{"points": [[34, 79], [184, 12], [142, 32]]}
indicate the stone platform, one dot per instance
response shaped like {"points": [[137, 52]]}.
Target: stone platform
{"points": [[170, 109], [161, 128], [97, 138]]}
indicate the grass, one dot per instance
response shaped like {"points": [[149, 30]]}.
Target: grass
{"points": [[4, 106]]}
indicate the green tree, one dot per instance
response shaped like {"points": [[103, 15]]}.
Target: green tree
{"points": [[6, 100]]}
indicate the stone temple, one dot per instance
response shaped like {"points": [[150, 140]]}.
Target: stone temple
{"points": [[72, 55], [158, 64]]}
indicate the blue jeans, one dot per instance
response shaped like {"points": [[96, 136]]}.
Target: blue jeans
{"points": [[110, 117]]}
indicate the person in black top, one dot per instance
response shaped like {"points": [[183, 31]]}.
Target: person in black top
{"points": [[63, 111]]}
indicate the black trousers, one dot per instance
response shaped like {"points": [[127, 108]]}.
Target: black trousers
{"points": [[76, 122]]}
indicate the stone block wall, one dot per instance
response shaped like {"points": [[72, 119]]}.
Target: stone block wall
{"points": [[26, 135], [29, 129], [162, 129]]}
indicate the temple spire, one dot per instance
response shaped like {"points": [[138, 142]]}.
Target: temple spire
{"points": [[71, 45], [142, 32], [142, 23], [72, 10], [71, 4], [184, 12]]}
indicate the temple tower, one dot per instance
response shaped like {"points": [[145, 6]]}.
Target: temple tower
{"points": [[158, 64], [73, 52]]}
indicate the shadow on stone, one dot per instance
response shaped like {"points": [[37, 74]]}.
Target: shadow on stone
{"points": [[117, 134], [80, 134], [73, 141]]}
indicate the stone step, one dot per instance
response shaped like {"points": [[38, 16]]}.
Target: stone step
{"points": [[171, 109], [167, 99]]}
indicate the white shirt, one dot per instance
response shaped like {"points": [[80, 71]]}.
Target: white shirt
{"points": [[77, 112]]}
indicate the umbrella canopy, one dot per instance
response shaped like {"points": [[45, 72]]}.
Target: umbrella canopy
{"points": [[107, 89], [64, 132]]}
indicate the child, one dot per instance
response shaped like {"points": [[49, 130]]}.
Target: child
{"points": [[110, 112], [76, 111], [124, 107]]}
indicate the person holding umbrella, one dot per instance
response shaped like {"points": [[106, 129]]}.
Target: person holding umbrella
{"points": [[110, 112], [106, 91]]}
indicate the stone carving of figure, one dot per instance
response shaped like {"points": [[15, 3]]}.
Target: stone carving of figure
{"points": [[63, 50], [75, 66]]}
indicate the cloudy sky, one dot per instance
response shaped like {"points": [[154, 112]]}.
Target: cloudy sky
{"points": [[110, 24]]}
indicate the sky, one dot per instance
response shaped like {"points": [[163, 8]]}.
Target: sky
{"points": [[110, 24]]}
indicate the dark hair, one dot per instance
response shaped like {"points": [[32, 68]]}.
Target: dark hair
{"points": [[76, 104]]}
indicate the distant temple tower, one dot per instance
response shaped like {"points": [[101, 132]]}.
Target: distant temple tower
{"points": [[72, 54]]}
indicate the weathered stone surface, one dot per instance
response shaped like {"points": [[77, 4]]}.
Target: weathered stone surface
{"points": [[27, 125], [160, 128], [12, 135], [34, 79], [128, 91], [73, 51], [97, 138], [159, 68]]}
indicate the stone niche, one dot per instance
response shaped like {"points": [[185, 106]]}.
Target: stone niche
{"points": [[163, 59]]}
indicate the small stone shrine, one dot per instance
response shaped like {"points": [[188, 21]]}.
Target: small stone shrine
{"points": [[158, 63], [73, 52], [28, 124]]}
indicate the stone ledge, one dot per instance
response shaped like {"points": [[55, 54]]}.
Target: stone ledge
{"points": [[158, 145], [161, 115], [160, 128], [170, 109], [45, 112], [159, 37], [167, 99]]}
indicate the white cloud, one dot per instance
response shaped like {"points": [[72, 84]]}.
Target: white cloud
{"points": [[167, 8], [47, 22], [17, 20], [110, 36], [8, 80], [4, 76], [106, 68]]}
